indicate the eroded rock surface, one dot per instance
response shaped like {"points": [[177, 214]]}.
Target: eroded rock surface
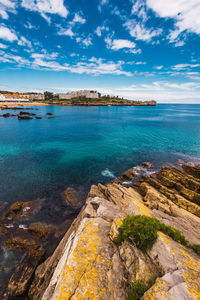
{"points": [[88, 264]]}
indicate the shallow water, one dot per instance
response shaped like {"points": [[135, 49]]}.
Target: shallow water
{"points": [[86, 145], [39, 158]]}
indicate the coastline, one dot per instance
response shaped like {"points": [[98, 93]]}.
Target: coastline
{"points": [[89, 258], [64, 103], [14, 104]]}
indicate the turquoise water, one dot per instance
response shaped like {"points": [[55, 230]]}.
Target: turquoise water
{"points": [[40, 158], [81, 146]]}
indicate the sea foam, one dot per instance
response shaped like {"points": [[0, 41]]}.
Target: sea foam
{"points": [[108, 173]]}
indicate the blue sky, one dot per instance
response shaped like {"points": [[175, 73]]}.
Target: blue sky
{"points": [[138, 49]]}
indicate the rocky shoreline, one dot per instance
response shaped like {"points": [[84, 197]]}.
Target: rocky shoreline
{"points": [[23, 115], [88, 262]]}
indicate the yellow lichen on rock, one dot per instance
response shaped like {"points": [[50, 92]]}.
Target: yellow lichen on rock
{"points": [[85, 265]]}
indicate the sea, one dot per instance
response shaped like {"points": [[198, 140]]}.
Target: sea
{"points": [[80, 146]]}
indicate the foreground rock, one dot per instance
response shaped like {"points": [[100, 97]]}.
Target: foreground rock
{"points": [[88, 264], [21, 278]]}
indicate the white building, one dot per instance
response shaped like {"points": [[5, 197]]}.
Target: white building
{"points": [[35, 96], [81, 93], [13, 98]]}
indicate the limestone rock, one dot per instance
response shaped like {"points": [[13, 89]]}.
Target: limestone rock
{"points": [[88, 264], [21, 277], [182, 271]]}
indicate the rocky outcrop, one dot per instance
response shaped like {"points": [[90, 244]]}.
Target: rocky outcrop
{"points": [[89, 264], [22, 275]]}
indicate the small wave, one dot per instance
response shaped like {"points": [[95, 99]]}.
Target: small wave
{"points": [[108, 173], [140, 170], [22, 226], [9, 226]]}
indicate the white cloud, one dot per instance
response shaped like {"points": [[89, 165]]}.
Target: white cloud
{"points": [[67, 32], [139, 9], [161, 91], [94, 66], [30, 26], [99, 67], [139, 32], [185, 13], [100, 29], [46, 7], [180, 67], [3, 46], [179, 44], [158, 67], [24, 42], [121, 44], [140, 63], [5, 7], [87, 41], [102, 3], [7, 34], [77, 19], [10, 58], [126, 45]]}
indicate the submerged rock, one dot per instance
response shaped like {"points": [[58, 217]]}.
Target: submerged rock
{"points": [[24, 118], [146, 164], [21, 243], [72, 197], [22, 275], [40, 230], [20, 210], [22, 113]]}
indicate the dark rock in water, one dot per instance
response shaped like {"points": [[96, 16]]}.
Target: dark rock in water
{"points": [[22, 275], [72, 197], [50, 118], [24, 118], [49, 114], [21, 210], [6, 115], [26, 113], [146, 164], [3, 230], [129, 175], [21, 243], [41, 230], [38, 117]]}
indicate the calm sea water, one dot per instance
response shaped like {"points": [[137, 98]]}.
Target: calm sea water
{"points": [[82, 146], [86, 145]]}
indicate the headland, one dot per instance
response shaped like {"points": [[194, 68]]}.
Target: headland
{"points": [[137, 237]]}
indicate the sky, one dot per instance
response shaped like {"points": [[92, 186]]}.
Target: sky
{"points": [[136, 49]]}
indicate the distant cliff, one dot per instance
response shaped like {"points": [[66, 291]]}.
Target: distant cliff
{"points": [[83, 101], [91, 263]]}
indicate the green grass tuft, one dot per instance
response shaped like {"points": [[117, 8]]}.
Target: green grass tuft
{"points": [[138, 288], [142, 232]]}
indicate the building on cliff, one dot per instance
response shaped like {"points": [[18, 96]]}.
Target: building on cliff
{"points": [[34, 96], [82, 93]]}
